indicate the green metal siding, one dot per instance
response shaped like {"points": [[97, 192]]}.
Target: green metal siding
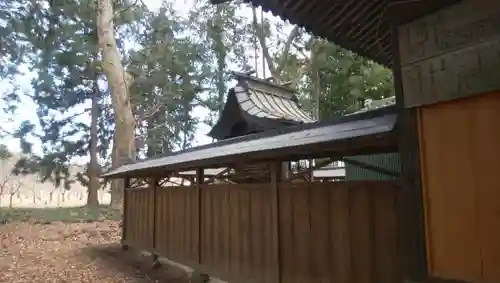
{"points": [[388, 161]]}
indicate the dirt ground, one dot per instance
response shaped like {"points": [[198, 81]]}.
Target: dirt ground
{"points": [[74, 252]]}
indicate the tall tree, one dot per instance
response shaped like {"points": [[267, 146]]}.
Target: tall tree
{"points": [[94, 184], [64, 56], [345, 80], [62, 49], [330, 80], [168, 75], [119, 82], [224, 37]]}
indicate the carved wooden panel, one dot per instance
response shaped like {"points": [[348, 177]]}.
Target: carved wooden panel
{"points": [[452, 53]]}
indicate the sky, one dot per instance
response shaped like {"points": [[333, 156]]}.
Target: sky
{"points": [[27, 110]]}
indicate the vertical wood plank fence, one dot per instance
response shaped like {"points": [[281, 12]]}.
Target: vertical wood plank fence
{"points": [[327, 232]]}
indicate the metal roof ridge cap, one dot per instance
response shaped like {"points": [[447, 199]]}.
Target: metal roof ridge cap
{"points": [[242, 77]]}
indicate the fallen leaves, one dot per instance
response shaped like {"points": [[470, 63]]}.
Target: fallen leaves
{"points": [[72, 252]]}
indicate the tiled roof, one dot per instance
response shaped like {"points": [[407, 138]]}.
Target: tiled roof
{"points": [[266, 101], [259, 105]]}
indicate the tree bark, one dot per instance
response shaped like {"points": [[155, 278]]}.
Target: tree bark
{"points": [[94, 185], [116, 189], [119, 82]]}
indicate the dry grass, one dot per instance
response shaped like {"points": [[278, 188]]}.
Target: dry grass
{"points": [[58, 214], [73, 252]]}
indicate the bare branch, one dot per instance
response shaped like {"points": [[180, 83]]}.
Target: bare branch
{"points": [[301, 51], [275, 70], [152, 111], [286, 50], [265, 51]]}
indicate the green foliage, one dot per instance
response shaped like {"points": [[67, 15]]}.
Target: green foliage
{"points": [[329, 79], [167, 78], [345, 79], [224, 38], [63, 52]]}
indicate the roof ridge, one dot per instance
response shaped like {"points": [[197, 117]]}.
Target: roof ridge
{"points": [[246, 77]]}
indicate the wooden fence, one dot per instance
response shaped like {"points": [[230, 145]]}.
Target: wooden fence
{"points": [[316, 232]]}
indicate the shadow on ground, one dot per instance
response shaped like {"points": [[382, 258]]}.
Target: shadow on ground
{"points": [[135, 264]]}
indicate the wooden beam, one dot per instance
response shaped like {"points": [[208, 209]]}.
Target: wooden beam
{"points": [[412, 227], [126, 185], [311, 173], [275, 178], [199, 182], [436, 280], [155, 182], [218, 175]]}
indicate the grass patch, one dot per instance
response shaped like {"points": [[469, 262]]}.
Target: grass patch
{"points": [[63, 214]]}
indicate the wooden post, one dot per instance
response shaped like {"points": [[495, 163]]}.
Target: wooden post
{"points": [[199, 182], [155, 184], [275, 178], [411, 203], [311, 173], [284, 170], [126, 185]]}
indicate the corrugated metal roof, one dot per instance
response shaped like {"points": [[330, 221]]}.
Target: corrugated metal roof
{"points": [[387, 161], [362, 26], [270, 145]]}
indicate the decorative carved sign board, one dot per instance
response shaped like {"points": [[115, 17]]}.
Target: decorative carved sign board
{"points": [[452, 53]]}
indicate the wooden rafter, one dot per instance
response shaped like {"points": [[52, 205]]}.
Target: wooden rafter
{"points": [[164, 181], [311, 169], [138, 183], [219, 175]]}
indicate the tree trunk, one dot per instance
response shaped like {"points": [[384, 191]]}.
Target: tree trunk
{"points": [[152, 142], [10, 200], [315, 79], [259, 32], [119, 82], [220, 54], [275, 69], [116, 189], [93, 187]]}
